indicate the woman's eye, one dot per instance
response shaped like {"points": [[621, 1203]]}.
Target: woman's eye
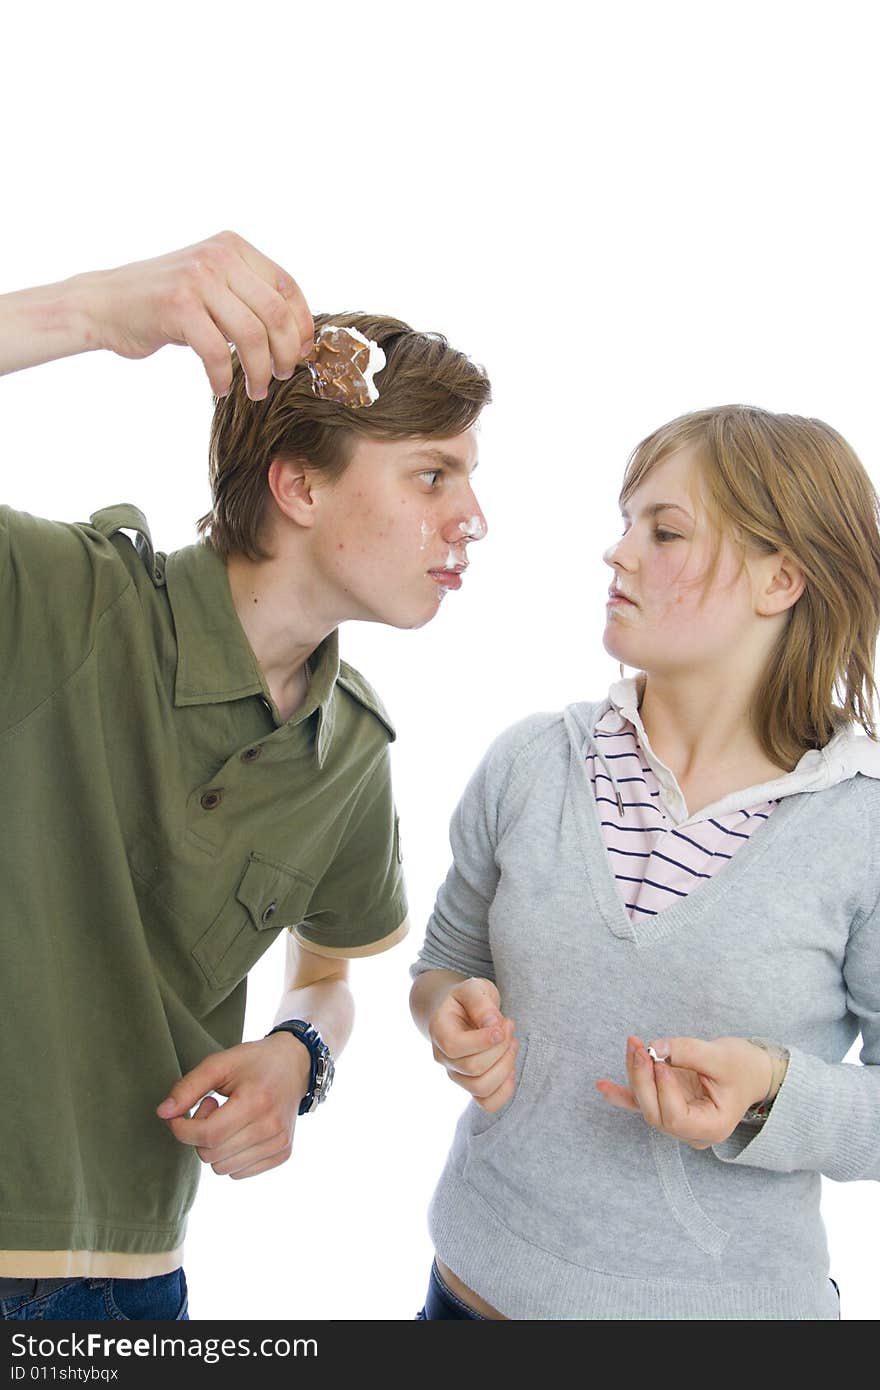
{"points": [[666, 536], [431, 476]]}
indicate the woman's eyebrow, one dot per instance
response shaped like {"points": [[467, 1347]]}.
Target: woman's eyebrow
{"points": [[659, 507]]}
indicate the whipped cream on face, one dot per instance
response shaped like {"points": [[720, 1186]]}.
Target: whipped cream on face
{"points": [[474, 529]]}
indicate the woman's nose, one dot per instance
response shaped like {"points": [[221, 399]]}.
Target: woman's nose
{"points": [[617, 555]]}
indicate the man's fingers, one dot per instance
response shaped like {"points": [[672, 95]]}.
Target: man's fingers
{"points": [[249, 1145], [206, 1107], [241, 326], [276, 313], [274, 1161], [205, 339], [226, 1121], [209, 1075], [284, 284]]}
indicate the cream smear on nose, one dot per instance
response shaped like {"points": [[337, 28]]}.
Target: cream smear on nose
{"points": [[474, 529]]}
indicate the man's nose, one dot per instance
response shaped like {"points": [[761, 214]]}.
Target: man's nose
{"points": [[468, 523]]}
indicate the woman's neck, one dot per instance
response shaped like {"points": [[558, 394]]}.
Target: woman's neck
{"points": [[702, 731]]}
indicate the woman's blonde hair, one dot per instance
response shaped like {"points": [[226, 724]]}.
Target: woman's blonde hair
{"points": [[790, 484]]}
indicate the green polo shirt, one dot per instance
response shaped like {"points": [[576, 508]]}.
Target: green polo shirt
{"points": [[159, 825]]}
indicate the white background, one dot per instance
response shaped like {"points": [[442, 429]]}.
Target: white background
{"points": [[625, 212]]}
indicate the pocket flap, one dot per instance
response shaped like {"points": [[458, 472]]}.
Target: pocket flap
{"points": [[269, 891], [269, 896]]}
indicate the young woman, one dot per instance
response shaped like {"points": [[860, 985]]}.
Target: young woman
{"points": [[674, 894]]}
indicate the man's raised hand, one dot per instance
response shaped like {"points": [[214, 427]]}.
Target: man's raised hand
{"points": [[219, 292]]}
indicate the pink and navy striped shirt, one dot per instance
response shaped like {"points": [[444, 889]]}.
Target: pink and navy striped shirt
{"points": [[658, 852]]}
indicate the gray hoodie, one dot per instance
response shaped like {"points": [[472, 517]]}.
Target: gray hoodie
{"points": [[559, 1206]]}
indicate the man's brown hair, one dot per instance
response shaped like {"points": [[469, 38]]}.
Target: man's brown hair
{"points": [[791, 484], [426, 389]]}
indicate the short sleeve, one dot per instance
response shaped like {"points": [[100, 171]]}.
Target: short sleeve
{"points": [[360, 902], [56, 582]]}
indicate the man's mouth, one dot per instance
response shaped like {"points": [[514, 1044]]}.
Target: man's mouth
{"points": [[448, 578]]}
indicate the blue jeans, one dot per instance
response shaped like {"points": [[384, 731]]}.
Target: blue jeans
{"points": [[441, 1302], [162, 1298]]}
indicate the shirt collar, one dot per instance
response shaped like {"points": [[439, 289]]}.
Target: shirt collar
{"points": [[845, 754], [215, 661]]}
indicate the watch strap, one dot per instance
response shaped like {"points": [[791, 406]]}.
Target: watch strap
{"points": [[321, 1067]]}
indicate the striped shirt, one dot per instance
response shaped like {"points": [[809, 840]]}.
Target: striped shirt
{"points": [[657, 854]]}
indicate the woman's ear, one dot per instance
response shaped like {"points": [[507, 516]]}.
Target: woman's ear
{"points": [[781, 583]]}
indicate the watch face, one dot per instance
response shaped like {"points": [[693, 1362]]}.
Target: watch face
{"points": [[324, 1074]]}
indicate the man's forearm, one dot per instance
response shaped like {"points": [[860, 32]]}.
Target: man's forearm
{"points": [[328, 1004], [42, 324]]}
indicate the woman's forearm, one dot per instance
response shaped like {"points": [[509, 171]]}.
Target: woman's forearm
{"points": [[428, 991]]}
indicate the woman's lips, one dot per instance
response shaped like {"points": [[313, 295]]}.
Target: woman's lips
{"points": [[448, 579]]}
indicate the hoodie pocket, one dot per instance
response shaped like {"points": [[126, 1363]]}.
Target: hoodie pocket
{"points": [[595, 1185], [679, 1195]]}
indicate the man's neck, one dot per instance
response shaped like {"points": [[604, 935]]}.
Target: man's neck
{"points": [[281, 624]]}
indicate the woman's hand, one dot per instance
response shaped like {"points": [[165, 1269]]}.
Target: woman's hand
{"points": [[699, 1093], [474, 1042]]}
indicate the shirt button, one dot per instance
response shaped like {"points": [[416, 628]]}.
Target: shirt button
{"points": [[250, 755], [211, 799], [270, 912]]}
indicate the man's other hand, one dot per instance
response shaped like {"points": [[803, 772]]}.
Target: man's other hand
{"points": [[253, 1131]]}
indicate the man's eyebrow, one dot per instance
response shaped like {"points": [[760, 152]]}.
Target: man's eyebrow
{"points": [[448, 460], [659, 507]]}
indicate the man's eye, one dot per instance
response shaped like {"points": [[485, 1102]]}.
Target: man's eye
{"points": [[431, 476]]}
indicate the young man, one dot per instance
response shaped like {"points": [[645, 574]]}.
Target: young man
{"points": [[188, 768]]}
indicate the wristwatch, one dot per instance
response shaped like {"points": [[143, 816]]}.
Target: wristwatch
{"points": [[321, 1071], [757, 1114]]}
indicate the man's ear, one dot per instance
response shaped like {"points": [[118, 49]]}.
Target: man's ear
{"points": [[782, 583], [290, 485]]}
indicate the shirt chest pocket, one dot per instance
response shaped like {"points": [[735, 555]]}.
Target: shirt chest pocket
{"points": [[269, 897]]}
